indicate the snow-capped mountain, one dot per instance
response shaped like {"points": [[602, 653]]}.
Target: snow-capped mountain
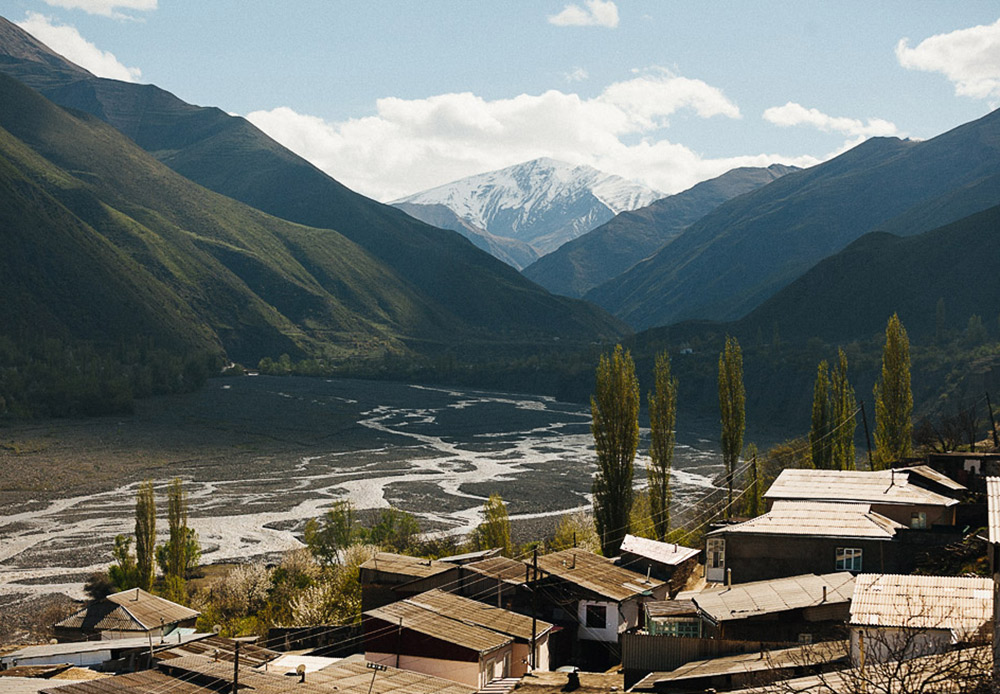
{"points": [[543, 202]]}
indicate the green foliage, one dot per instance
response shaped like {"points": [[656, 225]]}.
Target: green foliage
{"points": [[662, 422], [843, 410], [334, 532], [494, 531], [145, 535], [732, 407], [641, 519], [396, 531], [124, 573], [820, 442], [576, 530], [615, 426], [753, 496], [893, 398]]}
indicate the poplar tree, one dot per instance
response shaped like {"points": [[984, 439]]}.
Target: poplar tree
{"points": [[844, 410], [822, 421], [614, 409], [732, 407], [662, 421], [494, 531], [753, 504], [177, 520], [145, 535], [893, 398]]}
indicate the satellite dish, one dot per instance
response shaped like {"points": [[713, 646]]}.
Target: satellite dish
{"points": [[216, 629], [300, 670]]}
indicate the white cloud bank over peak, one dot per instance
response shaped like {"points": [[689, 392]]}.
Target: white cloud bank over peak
{"points": [[792, 114], [410, 145], [969, 58], [105, 8], [602, 13], [67, 42]]}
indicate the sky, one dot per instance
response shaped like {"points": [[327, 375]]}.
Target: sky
{"points": [[392, 98]]}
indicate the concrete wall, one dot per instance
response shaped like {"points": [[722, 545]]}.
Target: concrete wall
{"points": [[609, 634], [455, 670]]}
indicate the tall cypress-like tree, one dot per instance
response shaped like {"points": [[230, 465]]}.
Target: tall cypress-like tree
{"points": [[893, 398], [820, 444], [732, 407], [145, 535], [177, 520], [614, 409], [662, 421], [844, 410], [753, 500]]}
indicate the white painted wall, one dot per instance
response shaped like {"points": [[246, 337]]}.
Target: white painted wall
{"points": [[882, 644], [609, 634]]}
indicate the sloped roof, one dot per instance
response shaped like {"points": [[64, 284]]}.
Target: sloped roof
{"points": [[502, 568], [818, 519], [415, 567], [596, 574], [130, 610], [425, 620], [479, 614], [352, 676], [662, 552], [61, 650], [993, 505], [961, 604], [876, 487], [743, 600], [670, 608], [222, 648], [935, 476]]}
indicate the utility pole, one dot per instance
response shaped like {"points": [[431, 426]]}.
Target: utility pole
{"points": [[534, 605], [868, 438], [993, 422], [236, 666]]}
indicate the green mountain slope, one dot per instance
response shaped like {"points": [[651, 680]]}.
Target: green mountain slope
{"points": [[747, 249], [466, 294], [599, 255]]}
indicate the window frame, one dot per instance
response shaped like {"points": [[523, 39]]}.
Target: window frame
{"points": [[591, 613], [848, 559]]}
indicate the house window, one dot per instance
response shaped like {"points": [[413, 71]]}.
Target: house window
{"points": [[597, 616], [716, 553], [690, 628], [918, 520], [848, 559]]}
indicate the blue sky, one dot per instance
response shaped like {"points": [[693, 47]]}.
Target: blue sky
{"points": [[396, 97]]}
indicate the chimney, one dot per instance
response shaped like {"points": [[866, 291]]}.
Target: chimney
{"points": [[729, 577], [824, 593]]}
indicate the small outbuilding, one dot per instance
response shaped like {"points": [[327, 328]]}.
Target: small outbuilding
{"points": [[130, 613]]}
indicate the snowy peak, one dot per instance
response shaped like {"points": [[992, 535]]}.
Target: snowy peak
{"points": [[543, 202]]}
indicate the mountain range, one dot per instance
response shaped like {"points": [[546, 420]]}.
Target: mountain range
{"points": [[303, 265], [542, 203], [744, 251], [612, 248]]}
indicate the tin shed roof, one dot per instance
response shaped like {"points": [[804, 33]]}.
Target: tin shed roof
{"points": [[479, 614], [961, 604], [425, 620], [596, 574], [415, 567], [743, 600], [502, 568], [877, 487], [819, 519], [662, 552]]}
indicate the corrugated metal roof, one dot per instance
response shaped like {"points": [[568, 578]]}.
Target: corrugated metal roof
{"points": [[743, 600], [932, 474], [479, 614], [596, 574], [961, 604], [747, 663], [993, 505], [132, 683], [820, 519], [352, 676], [662, 552], [55, 650], [502, 568], [197, 668], [416, 567], [222, 648], [876, 487], [426, 621], [24, 685], [670, 608], [129, 610]]}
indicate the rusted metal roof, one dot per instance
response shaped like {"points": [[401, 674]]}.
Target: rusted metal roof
{"points": [[749, 663], [414, 567], [961, 604], [480, 614], [425, 620], [819, 519], [743, 600], [129, 610], [501, 568], [876, 487], [596, 574], [662, 552], [993, 506]]}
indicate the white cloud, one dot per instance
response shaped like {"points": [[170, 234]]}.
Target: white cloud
{"points": [[577, 75], [105, 8], [413, 144], [792, 114], [969, 58], [602, 13], [67, 42]]}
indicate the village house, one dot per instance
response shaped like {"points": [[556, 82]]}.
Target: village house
{"points": [[592, 598], [130, 613], [106, 655], [453, 637], [388, 577], [666, 561], [895, 617], [797, 537]]}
